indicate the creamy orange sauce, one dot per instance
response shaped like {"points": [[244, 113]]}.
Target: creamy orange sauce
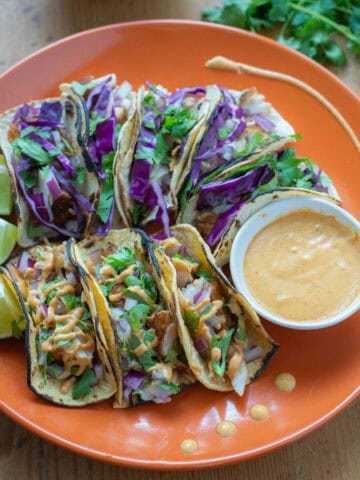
{"points": [[259, 412], [188, 446], [304, 266], [225, 428], [285, 382]]}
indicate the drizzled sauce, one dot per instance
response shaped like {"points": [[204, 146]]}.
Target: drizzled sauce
{"points": [[285, 382], [225, 428], [188, 446], [259, 412]]}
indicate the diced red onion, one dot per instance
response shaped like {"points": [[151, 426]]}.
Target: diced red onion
{"points": [[99, 373], [133, 379], [201, 344], [253, 354], [129, 303], [95, 256], [22, 263]]}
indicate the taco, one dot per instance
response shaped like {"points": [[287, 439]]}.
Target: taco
{"points": [[241, 127], [166, 131], [225, 344], [108, 113], [218, 206], [138, 317], [67, 356], [55, 187]]}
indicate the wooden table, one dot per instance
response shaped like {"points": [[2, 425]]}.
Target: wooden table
{"points": [[331, 453]]}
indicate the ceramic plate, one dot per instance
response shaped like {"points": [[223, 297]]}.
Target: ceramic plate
{"points": [[326, 363]]}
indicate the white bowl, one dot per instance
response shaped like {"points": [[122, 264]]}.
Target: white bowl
{"points": [[260, 220]]}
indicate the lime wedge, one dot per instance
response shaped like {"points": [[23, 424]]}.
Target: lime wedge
{"points": [[12, 321], [8, 237], [5, 189]]}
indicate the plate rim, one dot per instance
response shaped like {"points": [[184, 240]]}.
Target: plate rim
{"points": [[190, 463]]}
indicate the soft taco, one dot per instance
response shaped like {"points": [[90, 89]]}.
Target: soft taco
{"points": [[138, 317], [241, 126], [219, 206], [166, 131], [108, 113], [68, 362], [55, 186], [224, 341]]}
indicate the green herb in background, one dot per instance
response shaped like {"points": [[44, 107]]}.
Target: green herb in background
{"points": [[306, 25]]}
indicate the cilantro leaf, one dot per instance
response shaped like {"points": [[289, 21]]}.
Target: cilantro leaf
{"points": [[121, 259], [178, 121], [82, 386], [222, 343], [307, 26], [146, 359], [137, 316], [171, 387], [31, 149], [28, 178], [71, 302], [106, 288], [94, 121], [201, 272]]}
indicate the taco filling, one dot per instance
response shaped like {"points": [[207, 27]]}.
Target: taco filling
{"points": [[241, 124], [216, 324], [166, 121], [61, 326], [217, 201], [50, 172], [107, 108], [151, 360]]}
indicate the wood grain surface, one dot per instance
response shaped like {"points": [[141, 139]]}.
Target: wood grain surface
{"points": [[330, 453]]}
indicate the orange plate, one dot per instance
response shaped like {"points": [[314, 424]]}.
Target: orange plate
{"points": [[326, 363]]}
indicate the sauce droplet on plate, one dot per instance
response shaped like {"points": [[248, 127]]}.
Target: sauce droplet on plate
{"points": [[188, 446], [259, 412], [285, 382], [225, 428]]}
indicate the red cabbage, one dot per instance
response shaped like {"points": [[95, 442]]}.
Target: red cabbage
{"points": [[222, 223], [162, 208], [105, 137], [263, 122], [216, 193], [140, 179]]}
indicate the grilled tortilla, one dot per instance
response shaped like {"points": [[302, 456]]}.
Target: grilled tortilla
{"points": [[55, 186], [224, 341], [148, 170], [68, 362], [137, 315], [108, 113]]}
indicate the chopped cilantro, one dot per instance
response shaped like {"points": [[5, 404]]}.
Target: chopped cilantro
{"points": [[146, 360], [82, 386], [32, 149], [149, 100], [171, 356], [62, 343], [242, 333], [132, 280], [148, 336], [106, 288], [71, 302], [94, 121], [136, 316], [139, 211], [134, 342], [121, 259], [178, 121], [223, 132], [171, 387], [28, 178], [222, 343], [201, 272]]}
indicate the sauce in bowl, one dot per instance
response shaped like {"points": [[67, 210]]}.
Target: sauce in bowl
{"points": [[304, 266]]}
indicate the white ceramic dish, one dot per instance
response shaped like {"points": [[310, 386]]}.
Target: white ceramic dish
{"points": [[266, 216]]}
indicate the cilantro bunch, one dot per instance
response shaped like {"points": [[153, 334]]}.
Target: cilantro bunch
{"points": [[307, 26]]}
